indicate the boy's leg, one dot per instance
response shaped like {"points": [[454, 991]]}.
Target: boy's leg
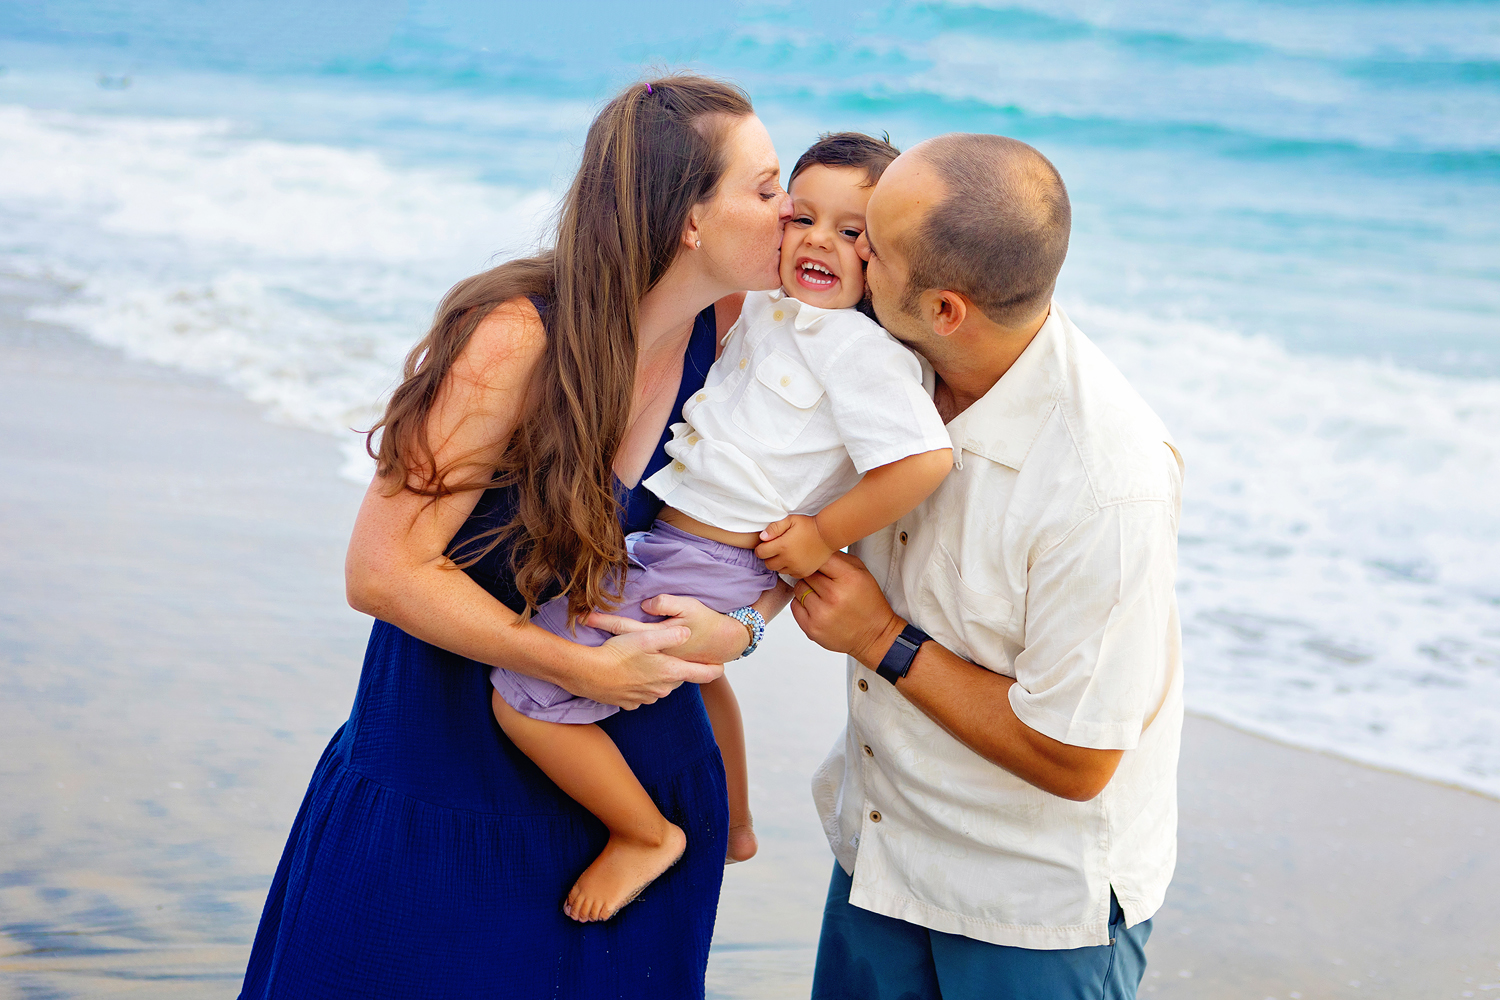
{"points": [[729, 732], [585, 763]]}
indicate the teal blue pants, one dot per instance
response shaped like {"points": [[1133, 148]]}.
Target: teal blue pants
{"points": [[869, 956]]}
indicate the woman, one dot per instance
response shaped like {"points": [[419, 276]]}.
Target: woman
{"points": [[430, 858]]}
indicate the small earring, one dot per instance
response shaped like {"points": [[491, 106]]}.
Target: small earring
{"points": [[697, 244]]}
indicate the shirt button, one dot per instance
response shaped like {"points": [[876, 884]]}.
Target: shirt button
{"points": [[692, 439], [863, 686], [701, 396], [874, 815], [778, 315], [868, 751], [743, 363], [903, 538], [678, 466], [786, 380]]}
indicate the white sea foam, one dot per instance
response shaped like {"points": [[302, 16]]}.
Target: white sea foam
{"points": [[300, 274], [1338, 579]]}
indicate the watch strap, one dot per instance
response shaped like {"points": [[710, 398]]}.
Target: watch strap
{"points": [[897, 660]]}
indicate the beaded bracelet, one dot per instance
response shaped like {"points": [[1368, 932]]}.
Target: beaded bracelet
{"points": [[755, 624]]}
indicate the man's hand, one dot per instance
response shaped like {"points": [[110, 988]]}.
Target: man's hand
{"points": [[793, 546], [841, 608]]}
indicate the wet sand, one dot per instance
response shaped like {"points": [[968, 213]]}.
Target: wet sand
{"points": [[175, 652]]}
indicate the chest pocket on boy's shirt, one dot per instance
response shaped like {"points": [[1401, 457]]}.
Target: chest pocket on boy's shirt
{"points": [[778, 405]]}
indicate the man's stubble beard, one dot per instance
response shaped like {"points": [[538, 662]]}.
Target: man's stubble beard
{"points": [[901, 312]]}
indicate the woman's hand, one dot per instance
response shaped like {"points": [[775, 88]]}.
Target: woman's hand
{"points": [[633, 669], [711, 638]]}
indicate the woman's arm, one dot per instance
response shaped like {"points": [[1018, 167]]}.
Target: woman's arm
{"points": [[397, 569], [799, 545]]}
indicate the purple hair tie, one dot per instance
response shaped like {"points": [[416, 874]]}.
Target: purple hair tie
{"points": [[648, 88]]}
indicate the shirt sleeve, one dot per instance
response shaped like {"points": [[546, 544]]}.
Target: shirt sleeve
{"points": [[881, 410], [1101, 628]]}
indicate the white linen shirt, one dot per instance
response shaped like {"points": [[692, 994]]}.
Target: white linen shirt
{"points": [[800, 404], [1048, 555]]}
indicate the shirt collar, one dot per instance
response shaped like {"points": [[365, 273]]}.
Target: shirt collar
{"points": [[1003, 423], [803, 315]]}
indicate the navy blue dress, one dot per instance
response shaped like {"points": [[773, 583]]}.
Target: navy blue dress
{"points": [[430, 857]]}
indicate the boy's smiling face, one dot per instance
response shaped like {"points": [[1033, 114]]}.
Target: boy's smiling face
{"points": [[819, 264]]}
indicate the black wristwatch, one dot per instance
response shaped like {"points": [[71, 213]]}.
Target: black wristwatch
{"points": [[897, 659]]}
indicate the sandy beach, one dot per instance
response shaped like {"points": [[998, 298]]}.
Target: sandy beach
{"points": [[176, 651]]}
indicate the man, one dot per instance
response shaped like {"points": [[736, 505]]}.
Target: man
{"points": [[1003, 802]]}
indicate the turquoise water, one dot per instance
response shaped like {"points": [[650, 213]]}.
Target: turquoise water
{"points": [[1287, 234], [1319, 173]]}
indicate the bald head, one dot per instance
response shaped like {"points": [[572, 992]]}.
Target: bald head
{"points": [[996, 229]]}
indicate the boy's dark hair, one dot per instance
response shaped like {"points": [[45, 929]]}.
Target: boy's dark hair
{"points": [[849, 149]]}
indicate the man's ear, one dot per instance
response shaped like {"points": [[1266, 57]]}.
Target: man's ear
{"points": [[944, 310]]}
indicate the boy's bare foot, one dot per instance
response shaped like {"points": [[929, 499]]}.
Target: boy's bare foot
{"points": [[621, 872], [742, 844]]}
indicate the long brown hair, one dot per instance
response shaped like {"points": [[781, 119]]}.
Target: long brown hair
{"points": [[654, 152]]}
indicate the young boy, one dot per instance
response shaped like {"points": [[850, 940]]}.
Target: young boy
{"points": [[813, 429]]}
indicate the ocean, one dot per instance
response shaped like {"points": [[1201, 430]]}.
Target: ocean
{"points": [[1286, 234]]}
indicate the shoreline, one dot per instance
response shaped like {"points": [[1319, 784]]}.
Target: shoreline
{"points": [[177, 651], [1332, 754]]}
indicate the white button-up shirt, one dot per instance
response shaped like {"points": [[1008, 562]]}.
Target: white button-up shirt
{"points": [[801, 403], [1048, 555]]}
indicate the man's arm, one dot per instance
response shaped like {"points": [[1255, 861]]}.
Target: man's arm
{"points": [[846, 612]]}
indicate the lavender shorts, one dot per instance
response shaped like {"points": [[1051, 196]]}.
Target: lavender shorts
{"points": [[664, 560]]}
